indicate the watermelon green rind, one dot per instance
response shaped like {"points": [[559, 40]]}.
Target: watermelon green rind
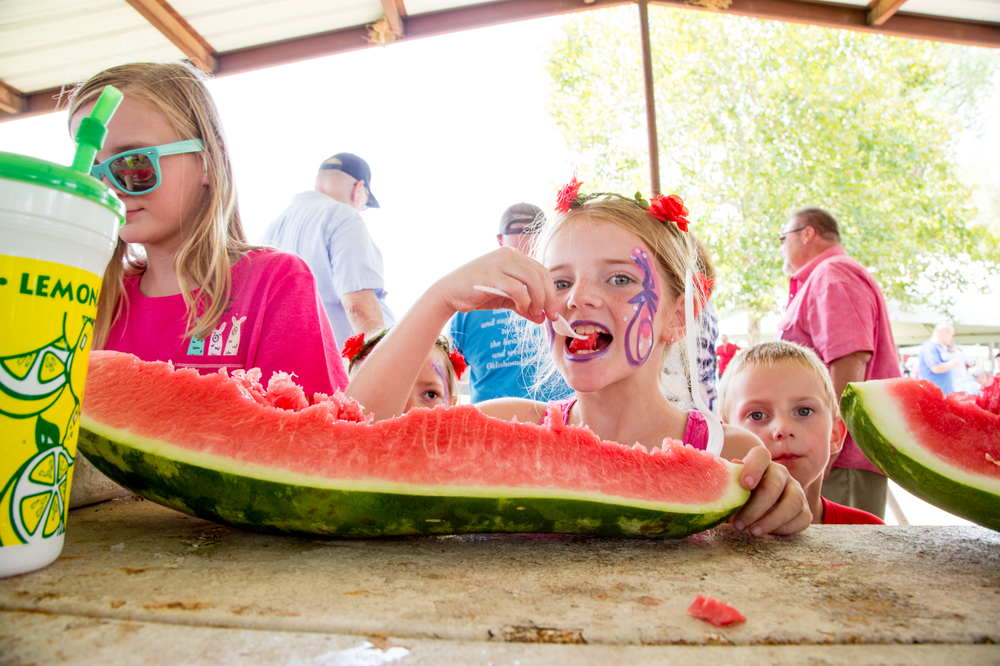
{"points": [[219, 447], [284, 503], [882, 432]]}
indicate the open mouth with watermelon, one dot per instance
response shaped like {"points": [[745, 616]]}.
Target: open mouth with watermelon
{"points": [[597, 343]]}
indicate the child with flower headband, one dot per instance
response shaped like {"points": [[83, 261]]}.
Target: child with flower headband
{"points": [[614, 267], [437, 382]]}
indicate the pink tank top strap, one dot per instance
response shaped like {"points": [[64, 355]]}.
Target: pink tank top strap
{"points": [[565, 406], [695, 434]]}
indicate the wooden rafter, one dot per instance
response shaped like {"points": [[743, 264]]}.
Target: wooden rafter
{"points": [[172, 25], [883, 10], [936, 28], [11, 100], [395, 12]]}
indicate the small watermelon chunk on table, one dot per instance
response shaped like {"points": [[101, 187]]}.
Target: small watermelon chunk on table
{"points": [[944, 449], [224, 449]]}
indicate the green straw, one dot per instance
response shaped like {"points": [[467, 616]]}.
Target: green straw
{"points": [[93, 129]]}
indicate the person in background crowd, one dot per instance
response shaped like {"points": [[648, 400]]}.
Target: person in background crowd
{"points": [[836, 308], [498, 368], [938, 359], [324, 227], [725, 352]]}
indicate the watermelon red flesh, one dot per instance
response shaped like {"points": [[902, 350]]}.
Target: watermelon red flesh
{"points": [[937, 447], [147, 422], [588, 343], [712, 610]]}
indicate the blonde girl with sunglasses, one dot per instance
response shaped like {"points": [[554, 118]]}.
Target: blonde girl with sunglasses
{"points": [[184, 285]]}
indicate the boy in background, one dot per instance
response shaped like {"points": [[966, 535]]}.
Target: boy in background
{"points": [[782, 392]]}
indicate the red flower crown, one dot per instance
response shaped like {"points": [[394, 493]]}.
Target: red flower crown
{"points": [[664, 207], [356, 349]]}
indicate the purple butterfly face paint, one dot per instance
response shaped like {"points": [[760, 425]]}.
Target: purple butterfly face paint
{"points": [[639, 334], [442, 375]]}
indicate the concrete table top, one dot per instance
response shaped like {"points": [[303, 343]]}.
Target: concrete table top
{"points": [[138, 580]]}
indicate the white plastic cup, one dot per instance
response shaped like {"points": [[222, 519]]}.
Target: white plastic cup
{"points": [[58, 230]]}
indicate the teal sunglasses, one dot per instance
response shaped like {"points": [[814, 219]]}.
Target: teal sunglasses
{"points": [[138, 171]]}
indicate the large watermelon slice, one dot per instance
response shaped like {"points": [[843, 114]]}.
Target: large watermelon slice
{"points": [[222, 448], [942, 448]]}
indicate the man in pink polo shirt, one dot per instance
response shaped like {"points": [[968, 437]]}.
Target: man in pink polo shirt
{"points": [[836, 308]]}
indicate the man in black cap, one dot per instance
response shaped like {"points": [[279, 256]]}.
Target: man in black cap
{"points": [[324, 227], [488, 338]]}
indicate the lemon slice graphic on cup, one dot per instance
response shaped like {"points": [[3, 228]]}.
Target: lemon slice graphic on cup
{"points": [[31, 382], [39, 495]]}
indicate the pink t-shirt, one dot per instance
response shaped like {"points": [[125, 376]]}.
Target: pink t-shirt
{"points": [[275, 322], [695, 433], [836, 308]]}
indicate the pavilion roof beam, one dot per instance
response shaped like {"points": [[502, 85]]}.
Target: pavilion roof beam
{"points": [[914, 26], [417, 26], [172, 25], [11, 100], [395, 12], [882, 10]]}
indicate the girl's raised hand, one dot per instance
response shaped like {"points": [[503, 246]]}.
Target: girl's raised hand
{"points": [[527, 283], [777, 503]]}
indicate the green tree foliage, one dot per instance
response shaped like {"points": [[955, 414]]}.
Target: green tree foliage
{"points": [[756, 118]]}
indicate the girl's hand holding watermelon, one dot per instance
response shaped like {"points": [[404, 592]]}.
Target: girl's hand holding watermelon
{"points": [[615, 268]]}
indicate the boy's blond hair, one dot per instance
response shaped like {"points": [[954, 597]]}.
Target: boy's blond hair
{"points": [[770, 354]]}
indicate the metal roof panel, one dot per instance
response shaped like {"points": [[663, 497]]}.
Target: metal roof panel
{"points": [[231, 24]]}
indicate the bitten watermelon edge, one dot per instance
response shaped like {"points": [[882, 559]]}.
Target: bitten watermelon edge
{"points": [[213, 447]]}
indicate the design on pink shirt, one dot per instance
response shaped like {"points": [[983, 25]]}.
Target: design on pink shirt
{"points": [[233, 341], [215, 346], [196, 347]]}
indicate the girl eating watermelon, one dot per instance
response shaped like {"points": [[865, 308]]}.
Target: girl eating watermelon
{"points": [[183, 284], [614, 267]]}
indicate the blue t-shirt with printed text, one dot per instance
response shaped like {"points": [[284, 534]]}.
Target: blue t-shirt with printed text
{"points": [[488, 340]]}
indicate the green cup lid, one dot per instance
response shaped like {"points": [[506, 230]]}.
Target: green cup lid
{"points": [[48, 174]]}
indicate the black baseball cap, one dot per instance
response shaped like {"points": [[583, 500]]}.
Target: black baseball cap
{"points": [[528, 216], [355, 167]]}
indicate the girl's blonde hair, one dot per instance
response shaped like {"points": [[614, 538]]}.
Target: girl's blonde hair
{"points": [[769, 354], [215, 240], [674, 252]]}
